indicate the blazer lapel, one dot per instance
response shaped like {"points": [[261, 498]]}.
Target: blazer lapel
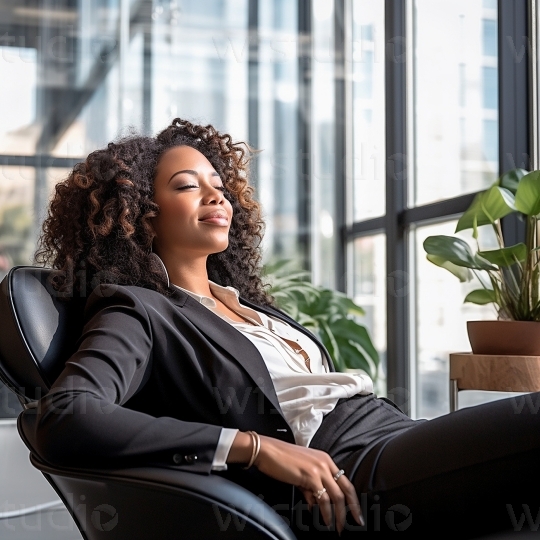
{"points": [[232, 340]]}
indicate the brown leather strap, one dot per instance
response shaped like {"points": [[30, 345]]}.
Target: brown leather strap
{"points": [[298, 349]]}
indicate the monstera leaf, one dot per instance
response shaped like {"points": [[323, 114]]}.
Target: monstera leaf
{"points": [[513, 272]]}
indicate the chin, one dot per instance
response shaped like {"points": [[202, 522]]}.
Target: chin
{"points": [[221, 247]]}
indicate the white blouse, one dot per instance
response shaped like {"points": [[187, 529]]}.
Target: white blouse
{"points": [[304, 396]]}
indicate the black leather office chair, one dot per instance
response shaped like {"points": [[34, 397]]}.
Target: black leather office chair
{"points": [[37, 334]]}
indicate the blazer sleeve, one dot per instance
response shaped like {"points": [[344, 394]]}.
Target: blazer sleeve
{"points": [[81, 421]]}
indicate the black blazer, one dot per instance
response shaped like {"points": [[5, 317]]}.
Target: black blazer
{"points": [[153, 381]]}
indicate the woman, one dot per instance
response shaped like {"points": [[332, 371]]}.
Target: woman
{"points": [[185, 362]]}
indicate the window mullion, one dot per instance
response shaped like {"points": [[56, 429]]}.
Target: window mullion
{"points": [[397, 297], [514, 104]]}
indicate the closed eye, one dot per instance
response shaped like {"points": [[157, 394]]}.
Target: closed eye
{"points": [[221, 188]]}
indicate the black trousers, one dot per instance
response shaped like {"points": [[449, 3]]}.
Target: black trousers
{"points": [[471, 472]]}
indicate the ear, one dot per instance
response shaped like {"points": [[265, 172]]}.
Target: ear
{"points": [[149, 226]]}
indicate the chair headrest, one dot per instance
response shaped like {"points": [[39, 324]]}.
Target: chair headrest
{"points": [[38, 333]]}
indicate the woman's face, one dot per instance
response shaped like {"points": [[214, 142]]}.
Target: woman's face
{"points": [[188, 190]]}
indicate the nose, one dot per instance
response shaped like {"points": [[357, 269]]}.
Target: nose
{"points": [[214, 196]]}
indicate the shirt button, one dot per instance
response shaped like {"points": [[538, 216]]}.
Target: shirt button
{"points": [[192, 458], [177, 458]]}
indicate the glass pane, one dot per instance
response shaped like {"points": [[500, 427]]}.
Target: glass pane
{"points": [[368, 167], [199, 64], [455, 98], [116, 103], [18, 130], [16, 216], [16, 245], [441, 319], [54, 64], [369, 292], [277, 166], [323, 148]]}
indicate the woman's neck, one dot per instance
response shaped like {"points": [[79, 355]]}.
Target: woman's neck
{"points": [[191, 275]]}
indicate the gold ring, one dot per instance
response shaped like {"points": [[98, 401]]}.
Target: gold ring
{"points": [[338, 474], [320, 493]]}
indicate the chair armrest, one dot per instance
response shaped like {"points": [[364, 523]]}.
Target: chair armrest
{"points": [[192, 505]]}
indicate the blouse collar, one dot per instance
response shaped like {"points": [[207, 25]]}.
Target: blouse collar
{"points": [[218, 290]]}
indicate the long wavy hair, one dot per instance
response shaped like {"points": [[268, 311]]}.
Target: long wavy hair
{"points": [[98, 227]]}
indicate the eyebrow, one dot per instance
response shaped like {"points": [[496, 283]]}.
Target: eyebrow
{"points": [[189, 171]]}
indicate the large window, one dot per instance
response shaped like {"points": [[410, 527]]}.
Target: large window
{"points": [[444, 140]]}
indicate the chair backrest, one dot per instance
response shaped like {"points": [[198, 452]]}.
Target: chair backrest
{"points": [[38, 331]]}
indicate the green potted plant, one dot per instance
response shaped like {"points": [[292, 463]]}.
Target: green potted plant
{"points": [[509, 276], [325, 312]]}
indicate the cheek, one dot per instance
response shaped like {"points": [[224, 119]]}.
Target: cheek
{"points": [[173, 210], [164, 222]]}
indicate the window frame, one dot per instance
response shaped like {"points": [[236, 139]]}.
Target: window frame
{"points": [[515, 109]]}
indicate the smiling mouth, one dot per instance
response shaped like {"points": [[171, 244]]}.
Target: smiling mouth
{"points": [[216, 221]]}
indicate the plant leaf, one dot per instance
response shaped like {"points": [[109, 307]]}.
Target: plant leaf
{"points": [[331, 345], [488, 206], [481, 297], [339, 302], [510, 180], [276, 266], [528, 194], [352, 307], [355, 358], [456, 251], [505, 256], [462, 273], [351, 330]]}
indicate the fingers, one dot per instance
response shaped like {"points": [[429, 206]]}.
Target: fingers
{"points": [[310, 498], [327, 506], [352, 499], [311, 470], [334, 498]]}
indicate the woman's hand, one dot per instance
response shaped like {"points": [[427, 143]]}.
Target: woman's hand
{"points": [[310, 470]]}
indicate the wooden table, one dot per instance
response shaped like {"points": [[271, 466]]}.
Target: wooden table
{"points": [[470, 371]]}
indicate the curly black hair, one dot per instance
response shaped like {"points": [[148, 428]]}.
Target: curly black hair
{"points": [[98, 229]]}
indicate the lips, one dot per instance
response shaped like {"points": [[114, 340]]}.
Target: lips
{"points": [[215, 215]]}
